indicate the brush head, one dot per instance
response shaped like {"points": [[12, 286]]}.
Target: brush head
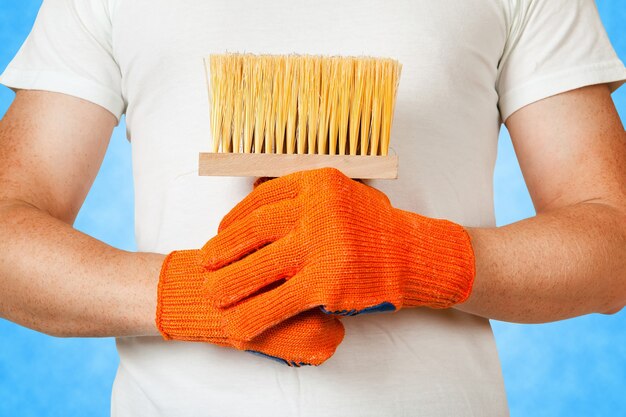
{"points": [[301, 104]]}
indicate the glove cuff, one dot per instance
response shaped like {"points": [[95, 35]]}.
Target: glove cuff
{"points": [[442, 265], [183, 311], [186, 312]]}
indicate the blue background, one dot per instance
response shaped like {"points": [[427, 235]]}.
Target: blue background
{"points": [[575, 367]]}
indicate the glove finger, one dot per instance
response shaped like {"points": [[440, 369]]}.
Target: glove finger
{"points": [[236, 281], [259, 228], [253, 316], [269, 192], [309, 338]]}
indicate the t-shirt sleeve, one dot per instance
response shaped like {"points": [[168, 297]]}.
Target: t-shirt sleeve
{"points": [[554, 46], [69, 50]]}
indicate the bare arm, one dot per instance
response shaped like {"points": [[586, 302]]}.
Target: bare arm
{"points": [[53, 278], [570, 259]]}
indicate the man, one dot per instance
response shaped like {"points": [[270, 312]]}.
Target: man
{"points": [[545, 68]]}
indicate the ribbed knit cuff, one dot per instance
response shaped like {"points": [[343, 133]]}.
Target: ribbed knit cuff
{"points": [[183, 310], [441, 262]]}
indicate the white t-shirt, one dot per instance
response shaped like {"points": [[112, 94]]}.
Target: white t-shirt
{"points": [[467, 65]]}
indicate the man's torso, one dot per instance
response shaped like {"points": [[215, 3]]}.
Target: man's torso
{"points": [[414, 362]]}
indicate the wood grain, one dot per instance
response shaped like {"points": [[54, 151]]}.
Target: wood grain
{"points": [[275, 165]]}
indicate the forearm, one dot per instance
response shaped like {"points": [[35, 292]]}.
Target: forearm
{"points": [[59, 281], [558, 264]]}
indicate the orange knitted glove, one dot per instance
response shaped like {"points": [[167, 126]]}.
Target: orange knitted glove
{"points": [[184, 312], [319, 238]]}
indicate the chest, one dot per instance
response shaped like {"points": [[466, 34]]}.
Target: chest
{"points": [[445, 46]]}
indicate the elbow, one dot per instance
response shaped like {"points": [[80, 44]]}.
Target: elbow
{"points": [[50, 328], [42, 323], [55, 326], [13, 206], [614, 303], [611, 311]]}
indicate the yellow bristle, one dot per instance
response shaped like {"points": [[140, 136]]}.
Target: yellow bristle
{"points": [[260, 105], [227, 101], [333, 105], [315, 78], [280, 118], [356, 102], [301, 104], [237, 101], [215, 84], [377, 97], [324, 106], [345, 95], [269, 69], [390, 86], [290, 85], [262, 101], [249, 101], [304, 90], [366, 107]]}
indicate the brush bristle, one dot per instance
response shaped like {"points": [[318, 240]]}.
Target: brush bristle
{"points": [[301, 103]]}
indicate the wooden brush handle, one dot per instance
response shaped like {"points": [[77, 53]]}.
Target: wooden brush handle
{"points": [[275, 165]]}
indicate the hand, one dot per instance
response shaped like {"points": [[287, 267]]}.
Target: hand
{"points": [[318, 238], [185, 312]]}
